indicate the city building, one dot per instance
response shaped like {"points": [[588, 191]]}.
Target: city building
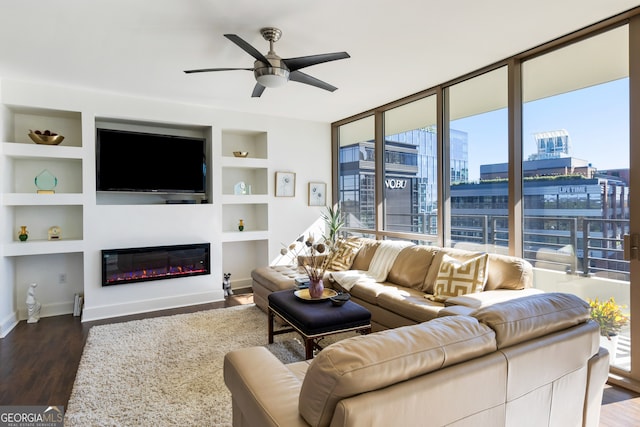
{"points": [[565, 198]]}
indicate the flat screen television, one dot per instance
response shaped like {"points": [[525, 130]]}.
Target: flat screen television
{"points": [[145, 162]]}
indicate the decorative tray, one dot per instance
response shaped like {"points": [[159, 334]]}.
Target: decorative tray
{"points": [[303, 294]]}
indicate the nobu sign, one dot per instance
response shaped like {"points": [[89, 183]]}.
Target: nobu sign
{"points": [[395, 183]]}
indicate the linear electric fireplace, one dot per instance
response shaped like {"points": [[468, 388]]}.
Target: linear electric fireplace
{"points": [[120, 266]]}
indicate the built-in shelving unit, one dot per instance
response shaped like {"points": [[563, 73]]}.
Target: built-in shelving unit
{"points": [[22, 160], [251, 244], [92, 220]]}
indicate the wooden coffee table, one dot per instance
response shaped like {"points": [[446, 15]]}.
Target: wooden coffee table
{"points": [[315, 319]]}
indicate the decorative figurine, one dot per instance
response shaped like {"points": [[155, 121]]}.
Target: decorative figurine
{"points": [[241, 225], [240, 188], [23, 234], [226, 285], [46, 182], [33, 306], [55, 233]]}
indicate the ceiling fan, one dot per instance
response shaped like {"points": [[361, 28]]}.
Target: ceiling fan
{"points": [[272, 71]]}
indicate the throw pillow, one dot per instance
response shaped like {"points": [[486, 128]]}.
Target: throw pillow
{"points": [[459, 278], [344, 254]]}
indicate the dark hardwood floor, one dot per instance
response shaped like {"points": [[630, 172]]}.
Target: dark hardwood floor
{"points": [[38, 363]]}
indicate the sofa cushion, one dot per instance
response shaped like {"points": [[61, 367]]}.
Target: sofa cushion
{"points": [[277, 277], [365, 254], [364, 363], [344, 254], [411, 266], [409, 303], [505, 272], [367, 290], [434, 270], [509, 272], [481, 299], [460, 278], [529, 317]]}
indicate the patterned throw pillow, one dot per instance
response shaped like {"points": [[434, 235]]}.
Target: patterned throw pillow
{"points": [[459, 278], [344, 254]]}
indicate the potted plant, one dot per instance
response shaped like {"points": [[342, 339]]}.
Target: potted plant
{"points": [[609, 315], [314, 256], [334, 221]]}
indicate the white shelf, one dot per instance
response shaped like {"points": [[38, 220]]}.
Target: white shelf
{"points": [[35, 151], [248, 199], [244, 236], [244, 162], [43, 247], [34, 199]]}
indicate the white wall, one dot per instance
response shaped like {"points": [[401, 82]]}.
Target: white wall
{"points": [[302, 147]]}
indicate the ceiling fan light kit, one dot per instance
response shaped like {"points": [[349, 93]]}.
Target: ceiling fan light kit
{"points": [[272, 71]]}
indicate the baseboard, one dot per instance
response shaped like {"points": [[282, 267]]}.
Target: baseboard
{"points": [[145, 306], [624, 382], [241, 284], [49, 310], [8, 323]]}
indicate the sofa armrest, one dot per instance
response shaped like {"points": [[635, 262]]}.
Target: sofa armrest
{"points": [[455, 310], [597, 376], [263, 389]]}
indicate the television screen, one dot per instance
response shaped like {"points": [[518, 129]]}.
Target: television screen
{"points": [[144, 162]]}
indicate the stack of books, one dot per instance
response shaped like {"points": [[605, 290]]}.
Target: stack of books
{"points": [[302, 282], [78, 301]]}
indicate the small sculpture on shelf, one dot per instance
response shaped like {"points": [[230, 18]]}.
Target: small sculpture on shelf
{"points": [[55, 233], [46, 182], [241, 225], [226, 285], [241, 188], [23, 234], [33, 305], [47, 137]]}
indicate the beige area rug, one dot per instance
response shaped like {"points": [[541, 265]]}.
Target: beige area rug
{"points": [[167, 371]]}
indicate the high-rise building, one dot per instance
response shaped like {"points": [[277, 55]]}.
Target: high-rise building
{"points": [[561, 195]]}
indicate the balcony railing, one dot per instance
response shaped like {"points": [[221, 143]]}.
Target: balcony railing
{"points": [[585, 246], [576, 245]]}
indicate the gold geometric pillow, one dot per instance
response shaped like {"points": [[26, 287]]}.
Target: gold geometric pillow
{"points": [[344, 254], [460, 278]]}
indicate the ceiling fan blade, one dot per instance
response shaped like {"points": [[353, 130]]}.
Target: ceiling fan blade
{"points": [[206, 70], [257, 90], [300, 77], [247, 48], [306, 61]]}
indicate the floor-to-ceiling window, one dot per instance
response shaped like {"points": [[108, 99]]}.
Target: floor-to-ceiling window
{"points": [[576, 170], [410, 168], [534, 155], [478, 157], [356, 173]]}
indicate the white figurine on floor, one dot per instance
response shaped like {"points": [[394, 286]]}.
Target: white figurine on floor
{"points": [[226, 285], [33, 306]]}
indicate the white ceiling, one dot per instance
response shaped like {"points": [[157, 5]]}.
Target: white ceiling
{"points": [[397, 48]]}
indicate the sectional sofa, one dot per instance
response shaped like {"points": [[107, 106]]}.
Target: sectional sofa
{"points": [[530, 361], [404, 284]]}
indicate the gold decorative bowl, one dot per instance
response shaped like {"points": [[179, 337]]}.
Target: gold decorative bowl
{"points": [[45, 139], [241, 153]]}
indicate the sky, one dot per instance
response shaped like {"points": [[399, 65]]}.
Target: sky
{"points": [[597, 119]]}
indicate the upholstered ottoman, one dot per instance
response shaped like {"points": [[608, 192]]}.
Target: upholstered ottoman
{"points": [[314, 320], [272, 279]]}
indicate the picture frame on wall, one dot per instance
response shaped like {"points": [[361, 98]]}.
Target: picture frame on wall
{"points": [[285, 184], [317, 194]]}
